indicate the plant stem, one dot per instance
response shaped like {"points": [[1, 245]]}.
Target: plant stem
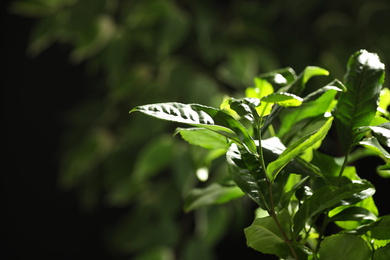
{"points": [[343, 167], [269, 184], [273, 215]]}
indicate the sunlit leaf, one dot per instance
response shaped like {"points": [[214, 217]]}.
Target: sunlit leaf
{"points": [[201, 116], [297, 148], [382, 132], [373, 144], [357, 106], [203, 137], [283, 99]]}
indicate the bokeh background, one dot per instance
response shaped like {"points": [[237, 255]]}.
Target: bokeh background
{"points": [[81, 178]]}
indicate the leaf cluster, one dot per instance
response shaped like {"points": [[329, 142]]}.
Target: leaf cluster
{"points": [[272, 141]]}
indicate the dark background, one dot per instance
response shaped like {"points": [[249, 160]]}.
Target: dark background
{"points": [[39, 220]]}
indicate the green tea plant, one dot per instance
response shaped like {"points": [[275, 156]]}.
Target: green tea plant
{"points": [[273, 139]]}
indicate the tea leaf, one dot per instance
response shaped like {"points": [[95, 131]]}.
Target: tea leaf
{"points": [[344, 246], [213, 194], [265, 236], [325, 198], [297, 148], [201, 116], [357, 107]]}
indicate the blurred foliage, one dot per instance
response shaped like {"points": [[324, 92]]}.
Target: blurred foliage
{"points": [[141, 52]]}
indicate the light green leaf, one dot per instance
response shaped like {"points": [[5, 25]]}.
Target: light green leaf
{"points": [[213, 194], [201, 116], [344, 246], [384, 170], [262, 88], [290, 117], [264, 235], [325, 198], [283, 99], [299, 84], [357, 107], [203, 137], [297, 148]]}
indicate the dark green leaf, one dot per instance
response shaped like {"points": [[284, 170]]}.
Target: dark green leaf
{"points": [[382, 253], [382, 230], [357, 106], [252, 183], [355, 214], [201, 116], [344, 246], [213, 194], [325, 198], [264, 235]]}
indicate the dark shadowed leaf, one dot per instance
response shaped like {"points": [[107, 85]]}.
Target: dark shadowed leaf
{"points": [[264, 235], [213, 194], [325, 198], [344, 246]]}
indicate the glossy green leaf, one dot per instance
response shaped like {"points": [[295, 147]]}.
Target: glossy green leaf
{"points": [[273, 148], [264, 235], [344, 246], [246, 108], [384, 103], [382, 133], [213, 194], [354, 214], [382, 253], [283, 99], [373, 144], [203, 137], [297, 148], [280, 77], [201, 116], [357, 106], [325, 198], [251, 183]]}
